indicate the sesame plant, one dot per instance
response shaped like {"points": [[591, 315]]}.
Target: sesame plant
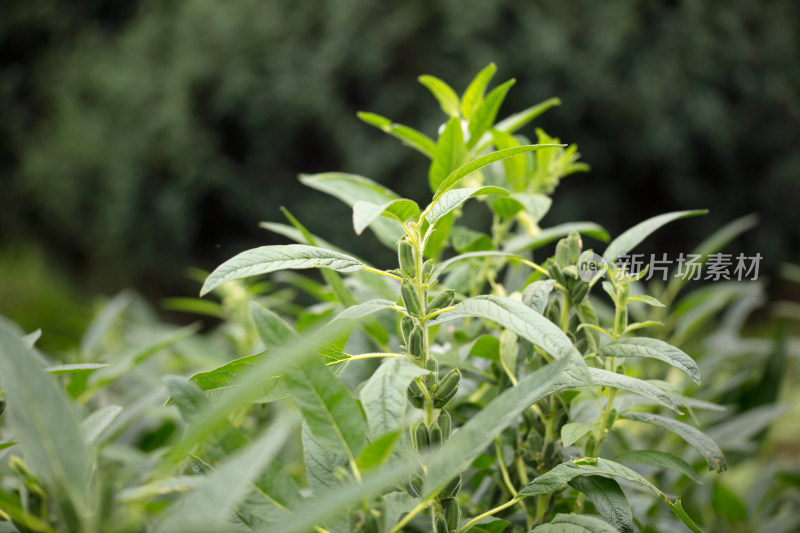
{"points": [[478, 384]]}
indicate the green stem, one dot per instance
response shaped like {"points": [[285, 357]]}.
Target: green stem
{"points": [[490, 512]]}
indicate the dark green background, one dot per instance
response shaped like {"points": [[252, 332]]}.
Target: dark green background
{"points": [[138, 138]]}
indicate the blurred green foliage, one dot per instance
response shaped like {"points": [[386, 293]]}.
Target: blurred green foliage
{"points": [[142, 130]]}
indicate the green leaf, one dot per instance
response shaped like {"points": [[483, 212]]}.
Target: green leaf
{"points": [[208, 507], [383, 396], [644, 298], [654, 349], [525, 322], [632, 237], [77, 368], [480, 162], [608, 499], [516, 121], [727, 504], [409, 136], [186, 395], [364, 309], [332, 414], [267, 259], [273, 330], [572, 432], [396, 504], [573, 523], [495, 526], [46, 428], [473, 95], [378, 451], [699, 440], [605, 378], [516, 168], [366, 213], [588, 466], [97, 422], [478, 432], [296, 235], [535, 205], [449, 154], [103, 322], [350, 189], [30, 339], [659, 459], [452, 199], [521, 243], [446, 96], [537, 295], [224, 377], [320, 463], [483, 117]]}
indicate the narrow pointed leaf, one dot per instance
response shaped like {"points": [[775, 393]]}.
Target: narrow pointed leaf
{"points": [[446, 96], [516, 121], [526, 242], [572, 432], [226, 376], [378, 451], [461, 172], [483, 117], [605, 378], [366, 213], [658, 459], [449, 155], [97, 422], [632, 237], [364, 309], [473, 95], [77, 368], [452, 199], [537, 295], [653, 349], [409, 136], [267, 259], [273, 330], [574, 523], [699, 440]]}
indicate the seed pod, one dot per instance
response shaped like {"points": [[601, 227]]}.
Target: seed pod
{"points": [[427, 270], [405, 256], [554, 271], [534, 440], [574, 246], [441, 525], [417, 400], [432, 365], [435, 434], [446, 423], [447, 388], [562, 253], [612, 417], [416, 342], [579, 292], [452, 513], [442, 300], [406, 326], [419, 436], [410, 298], [415, 485], [452, 488]]}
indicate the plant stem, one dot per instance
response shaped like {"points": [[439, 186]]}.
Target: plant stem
{"points": [[490, 512]]}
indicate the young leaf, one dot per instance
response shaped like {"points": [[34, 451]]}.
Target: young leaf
{"points": [[608, 499], [479, 431], [383, 396], [332, 414], [77, 368], [473, 95], [700, 441], [537, 294], [644, 298], [452, 199], [297, 236], [483, 117], [409, 136], [659, 459], [572, 432], [273, 330], [265, 259], [605, 378], [518, 120], [320, 463], [366, 213], [207, 508], [378, 451], [46, 428], [480, 162], [654, 349], [446, 96], [449, 154], [103, 322], [632, 237], [535, 205], [226, 376], [517, 171]]}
